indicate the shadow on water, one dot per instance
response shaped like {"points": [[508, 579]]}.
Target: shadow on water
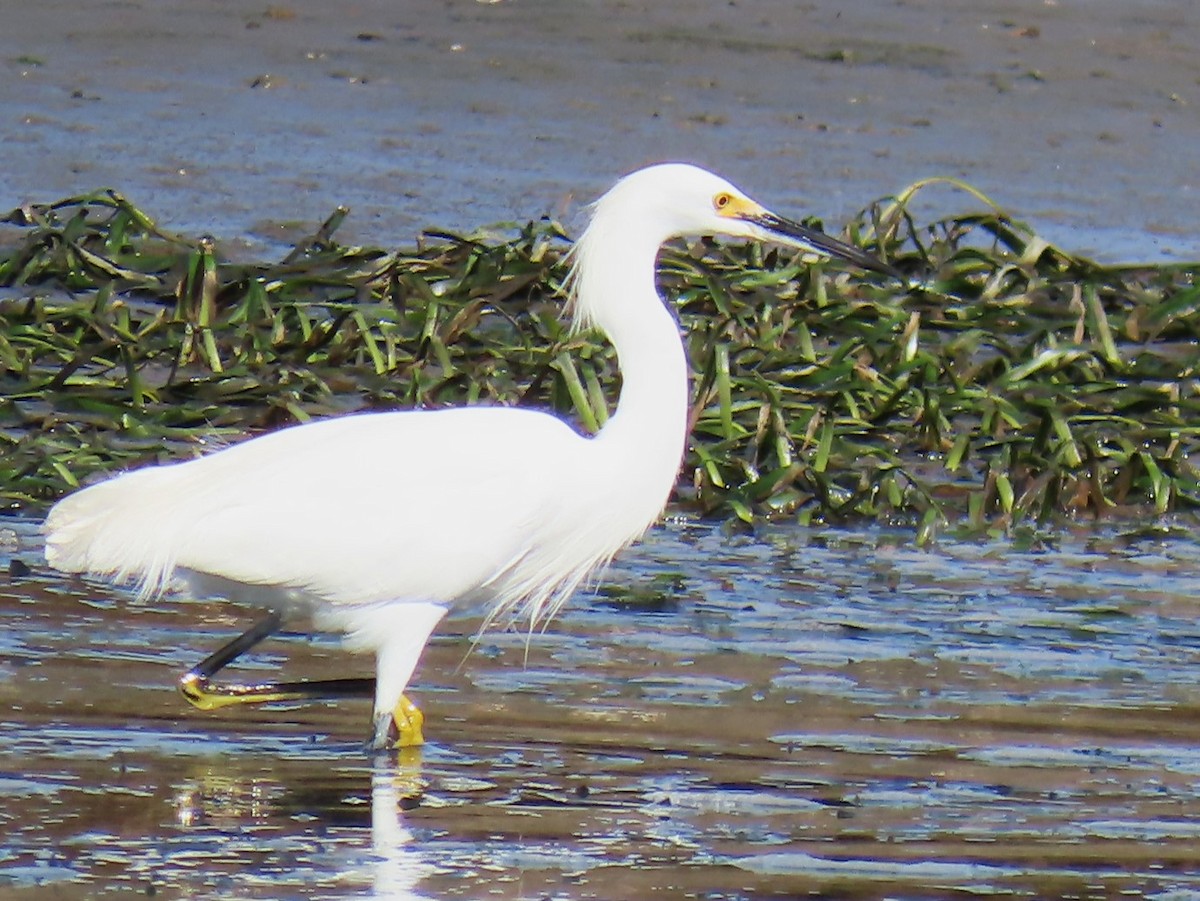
{"points": [[799, 712]]}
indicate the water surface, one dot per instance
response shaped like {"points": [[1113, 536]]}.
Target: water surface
{"points": [[733, 717]]}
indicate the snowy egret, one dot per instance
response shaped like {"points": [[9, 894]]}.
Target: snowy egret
{"points": [[377, 524]]}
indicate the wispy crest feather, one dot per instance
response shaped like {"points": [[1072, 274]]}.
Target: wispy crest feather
{"points": [[582, 315]]}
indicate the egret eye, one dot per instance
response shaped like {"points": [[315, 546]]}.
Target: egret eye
{"points": [[722, 200]]}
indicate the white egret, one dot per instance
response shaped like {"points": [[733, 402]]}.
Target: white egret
{"points": [[377, 524]]}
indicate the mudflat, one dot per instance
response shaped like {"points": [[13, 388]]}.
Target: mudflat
{"points": [[240, 120]]}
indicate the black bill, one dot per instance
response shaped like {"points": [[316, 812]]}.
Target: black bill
{"points": [[821, 242]]}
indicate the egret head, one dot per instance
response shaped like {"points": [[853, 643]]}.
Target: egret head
{"points": [[670, 200], [678, 199]]}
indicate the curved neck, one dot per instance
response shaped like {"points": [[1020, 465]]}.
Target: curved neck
{"points": [[653, 404], [616, 293]]}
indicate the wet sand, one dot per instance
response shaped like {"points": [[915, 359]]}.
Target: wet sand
{"points": [[1080, 116]]}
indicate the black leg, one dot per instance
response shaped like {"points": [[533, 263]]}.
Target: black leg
{"points": [[196, 687]]}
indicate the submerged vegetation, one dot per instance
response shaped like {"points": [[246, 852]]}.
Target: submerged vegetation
{"points": [[1010, 380]]}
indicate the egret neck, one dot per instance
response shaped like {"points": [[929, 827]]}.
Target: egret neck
{"points": [[644, 439]]}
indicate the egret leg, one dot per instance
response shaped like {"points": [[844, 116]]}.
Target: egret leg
{"points": [[406, 629], [201, 692]]}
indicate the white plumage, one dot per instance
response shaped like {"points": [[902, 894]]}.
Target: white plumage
{"points": [[376, 524]]}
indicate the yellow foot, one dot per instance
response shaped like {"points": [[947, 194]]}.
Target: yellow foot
{"points": [[194, 687], [407, 720], [203, 694]]}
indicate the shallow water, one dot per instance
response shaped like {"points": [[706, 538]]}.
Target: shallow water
{"points": [[802, 711]]}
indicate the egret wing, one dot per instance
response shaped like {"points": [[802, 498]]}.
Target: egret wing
{"points": [[420, 506]]}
